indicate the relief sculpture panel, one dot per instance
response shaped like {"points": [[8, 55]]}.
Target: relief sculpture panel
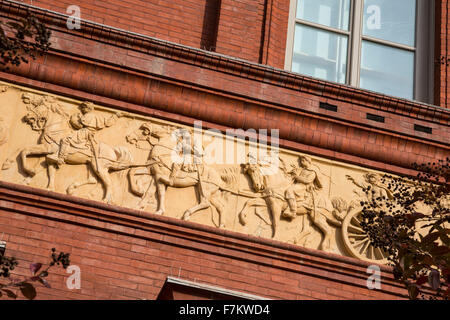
{"points": [[160, 167]]}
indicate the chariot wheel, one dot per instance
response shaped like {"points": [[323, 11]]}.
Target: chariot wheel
{"points": [[357, 242]]}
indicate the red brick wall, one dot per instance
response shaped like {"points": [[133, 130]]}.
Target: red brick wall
{"points": [[230, 27], [274, 49], [442, 47], [123, 255], [177, 21], [240, 29]]}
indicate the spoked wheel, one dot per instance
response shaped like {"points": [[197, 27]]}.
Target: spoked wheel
{"points": [[357, 242]]}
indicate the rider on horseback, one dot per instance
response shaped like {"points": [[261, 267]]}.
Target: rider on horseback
{"points": [[306, 182], [86, 124], [186, 150]]}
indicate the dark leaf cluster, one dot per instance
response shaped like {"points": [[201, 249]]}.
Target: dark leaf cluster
{"points": [[7, 264], [412, 226], [60, 259], [22, 39], [38, 274]]}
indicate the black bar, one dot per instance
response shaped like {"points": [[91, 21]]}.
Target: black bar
{"points": [[418, 127], [327, 106], [375, 117]]}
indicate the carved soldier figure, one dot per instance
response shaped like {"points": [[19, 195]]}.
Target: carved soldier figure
{"points": [[306, 183], [191, 155], [86, 124], [31, 101], [372, 187], [27, 98]]}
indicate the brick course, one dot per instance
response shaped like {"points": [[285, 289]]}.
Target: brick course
{"points": [[126, 254]]}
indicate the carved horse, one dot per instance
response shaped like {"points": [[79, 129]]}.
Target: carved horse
{"points": [[53, 125], [272, 187], [208, 183]]}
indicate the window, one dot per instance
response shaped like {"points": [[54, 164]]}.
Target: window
{"points": [[181, 289], [380, 45]]}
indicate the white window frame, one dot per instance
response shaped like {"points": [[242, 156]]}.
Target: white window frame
{"points": [[424, 49]]}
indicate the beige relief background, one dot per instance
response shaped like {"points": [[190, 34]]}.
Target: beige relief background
{"points": [[89, 151]]}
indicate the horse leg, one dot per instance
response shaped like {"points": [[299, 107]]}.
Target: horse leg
{"points": [[23, 157], [32, 151], [204, 203], [51, 170], [250, 203], [144, 199], [323, 226], [275, 212], [10, 160], [91, 180], [133, 185], [161, 192], [103, 174], [302, 238], [217, 203]]}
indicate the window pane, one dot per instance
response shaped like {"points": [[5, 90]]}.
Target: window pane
{"points": [[319, 53], [392, 20], [331, 13], [387, 70]]}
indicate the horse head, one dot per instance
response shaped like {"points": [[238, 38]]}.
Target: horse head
{"points": [[142, 134], [134, 137], [256, 176], [37, 117]]}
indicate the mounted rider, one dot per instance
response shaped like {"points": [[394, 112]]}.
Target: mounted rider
{"points": [[301, 195], [177, 154], [190, 155], [82, 140]]}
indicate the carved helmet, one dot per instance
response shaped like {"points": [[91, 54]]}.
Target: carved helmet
{"points": [[146, 126], [87, 104]]}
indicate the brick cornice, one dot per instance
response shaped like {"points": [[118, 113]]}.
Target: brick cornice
{"points": [[230, 65], [97, 215]]}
